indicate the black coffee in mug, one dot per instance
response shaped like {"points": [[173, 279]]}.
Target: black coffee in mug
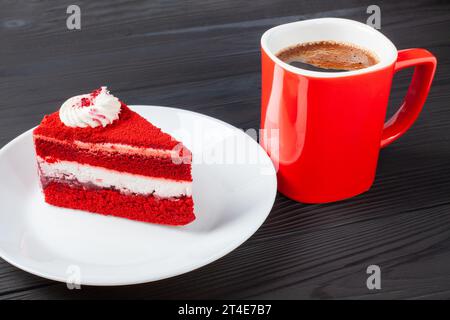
{"points": [[327, 56]]}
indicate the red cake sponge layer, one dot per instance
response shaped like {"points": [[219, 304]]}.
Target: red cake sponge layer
{"points": [[179, 211], [142, 165]]}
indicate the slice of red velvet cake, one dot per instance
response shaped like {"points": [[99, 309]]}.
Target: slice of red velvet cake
{"points": [[97, 155]]}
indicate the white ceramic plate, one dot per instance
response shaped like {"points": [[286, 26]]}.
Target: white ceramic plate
{"points": [[233, 194]]}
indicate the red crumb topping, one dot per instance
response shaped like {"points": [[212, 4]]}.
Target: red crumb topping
{"points": [[96, 92], [85, 102], [130, 129]]}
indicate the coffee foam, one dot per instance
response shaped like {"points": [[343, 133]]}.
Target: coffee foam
{"points": [[329, 55]]}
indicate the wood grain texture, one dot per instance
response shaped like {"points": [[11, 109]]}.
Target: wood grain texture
{"points": [[204, 56]]}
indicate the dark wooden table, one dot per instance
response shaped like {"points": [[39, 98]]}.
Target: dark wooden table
{"points": [[204, 56]]}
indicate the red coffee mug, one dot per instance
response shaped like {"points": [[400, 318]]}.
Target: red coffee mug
{"points": [[324, 130]]}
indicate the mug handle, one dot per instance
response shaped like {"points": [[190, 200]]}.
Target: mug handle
{"points": [[425, 66]]}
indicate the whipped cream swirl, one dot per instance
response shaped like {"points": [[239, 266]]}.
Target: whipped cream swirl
{"points": [[98, 108]]}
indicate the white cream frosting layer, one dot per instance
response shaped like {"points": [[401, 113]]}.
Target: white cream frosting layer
{"points": [[124, 182]]}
